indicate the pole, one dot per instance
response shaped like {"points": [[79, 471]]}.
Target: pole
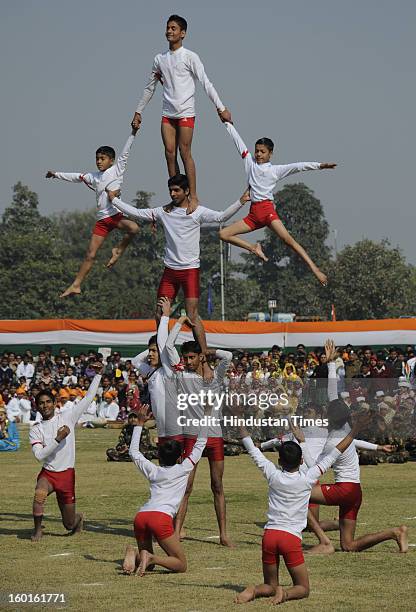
{"points": [[222, 279]]}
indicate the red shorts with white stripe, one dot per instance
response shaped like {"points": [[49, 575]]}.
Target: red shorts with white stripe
{"points": [[312, 505], [276, 542], [63, 484], [157, 524], [104, 226], [173, 280], [214, 448], [261, 214], [163, 439], [347, 495], [188, 122]]}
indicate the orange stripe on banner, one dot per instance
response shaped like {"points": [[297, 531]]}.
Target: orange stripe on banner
{"points": [[213, 327]]}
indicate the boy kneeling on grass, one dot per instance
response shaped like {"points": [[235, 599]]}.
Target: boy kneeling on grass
{"points": [[289, 491], [167, 487]]}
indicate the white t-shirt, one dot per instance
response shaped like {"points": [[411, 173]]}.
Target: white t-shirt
{"points": [[182, 231], [289, 492], [25, 408], [167, 484], [161, 385], [59, 456], [191, 383], [108, 411], [27, 370], [178, 71], [99, 181], [13, 409], [262, 178]]}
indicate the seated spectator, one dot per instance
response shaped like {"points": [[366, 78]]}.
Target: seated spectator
{"points": [[13, 408], [6, 372], [9, 436], [70, 379], [26, 369], [109, 408], [121, 451], [25, 405]]}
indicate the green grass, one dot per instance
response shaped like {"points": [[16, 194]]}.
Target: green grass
{"points": [[110, 493]]}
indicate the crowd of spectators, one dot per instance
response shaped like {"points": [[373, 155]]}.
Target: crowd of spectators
{"points": [[382, 381]]}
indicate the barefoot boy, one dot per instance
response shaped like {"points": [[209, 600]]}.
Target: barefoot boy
{"points": [[262, 178], [177, 70], [155, 518], [53, 444], [110, 174], [289, 491]]}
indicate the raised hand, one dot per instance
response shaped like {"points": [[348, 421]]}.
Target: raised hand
{"points": [[112, 194], [330, 350], [50, 174], [245, 197], [225, 116], [143, 414], [136, 121], [328, 165], [164, 305], [185, 320]]}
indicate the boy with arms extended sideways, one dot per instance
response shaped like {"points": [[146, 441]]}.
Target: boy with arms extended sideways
{"points": [[177, 70], [155, 517], [262, 178], [110, 174], [289, 492]]}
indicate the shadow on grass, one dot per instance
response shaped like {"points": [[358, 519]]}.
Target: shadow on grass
{"points": [[237, 588]]}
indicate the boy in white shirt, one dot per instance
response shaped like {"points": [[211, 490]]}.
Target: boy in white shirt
{"points": [[167, 487], [289, 491], [110, 172], [53, 444], [262, 178], [182, 251], [177, 70]]}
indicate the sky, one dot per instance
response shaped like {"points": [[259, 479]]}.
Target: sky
{"points": [[327, 81]]}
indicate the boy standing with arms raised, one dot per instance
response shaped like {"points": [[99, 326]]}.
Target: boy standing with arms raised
{"points": [[177, 70]]}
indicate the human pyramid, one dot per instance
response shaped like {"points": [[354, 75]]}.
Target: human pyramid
{"points": [[185, 435]]}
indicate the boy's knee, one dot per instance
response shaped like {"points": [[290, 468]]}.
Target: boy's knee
{"points": [[90, 256], [182, 568], [223, 234], [192, 312], [40, 497], [185, 150], [216, 487], [134, 230]]}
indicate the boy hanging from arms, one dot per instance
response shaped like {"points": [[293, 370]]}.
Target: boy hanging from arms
{"points": [[262, 178], [167, 487], [53, 444], [177, 70], [182, 250], [289, 489], [110, 173]]}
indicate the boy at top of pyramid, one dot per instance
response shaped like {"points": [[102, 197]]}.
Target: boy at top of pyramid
{"points": [[177, 69]]}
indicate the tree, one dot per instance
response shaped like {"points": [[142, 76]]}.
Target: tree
{"points": [[371, 280], [285, 277]]}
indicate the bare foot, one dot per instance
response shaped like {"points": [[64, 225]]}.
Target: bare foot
{"points": [[37, 535], [72, 290], [323, 279], [247, 595], [145, 559], [225, 541], [402, 538], [257, 250], [116, 254], [129, 563], [79, 524], [280, 596], [321, 549]]}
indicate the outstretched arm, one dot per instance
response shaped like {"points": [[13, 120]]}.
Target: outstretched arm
{"points": [[148, 214], [121, 162], [220, 216], [198, 70], [71, 177], [79, 408], [288, 169], [149, 89], [172, 353], [331, 355]]}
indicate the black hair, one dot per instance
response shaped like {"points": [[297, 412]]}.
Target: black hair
{"points": [[182, 23], [338, 414], [152, 340], [192, 346], [44, 392], [106, 151], [132, 414], [169, 452], [266, 142], [290, 454], [179, 180]]}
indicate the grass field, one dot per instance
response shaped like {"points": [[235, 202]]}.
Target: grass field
{"points": [[87, 567]]}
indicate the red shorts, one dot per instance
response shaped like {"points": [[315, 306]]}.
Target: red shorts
{"points": [[261, 214], [181, 122], [104, 226], [157, 524], [312, 505], [63, 484], [276, 542], [347, 495], [173, 280], [214, 448]]}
